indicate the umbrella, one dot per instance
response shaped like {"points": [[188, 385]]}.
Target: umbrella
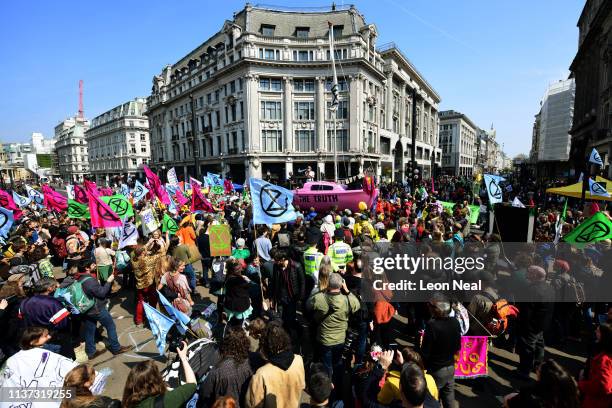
{"points": [[575, 190]]}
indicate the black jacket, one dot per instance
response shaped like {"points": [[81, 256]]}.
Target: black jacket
{"points": [[441, 341], [93, 289], [287, 286], [237, 294], [535, 316]]}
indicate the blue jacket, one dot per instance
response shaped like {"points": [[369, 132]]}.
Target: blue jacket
{"points": [[39, 309]]}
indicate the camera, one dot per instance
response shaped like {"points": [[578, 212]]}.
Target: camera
{"points": [[175, 339]]}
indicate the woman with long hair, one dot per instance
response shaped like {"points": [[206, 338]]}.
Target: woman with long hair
{"points": [[596, 387], [78, 383], [554, 388], [236, 299], [145, 385], [146, 264], [176, 282]]}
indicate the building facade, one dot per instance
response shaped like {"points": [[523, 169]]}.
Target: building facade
{"points": [[12, 159], [118, 142], [257, 94], [592, 71], [458, 143], [71, 149], [40, 145]]}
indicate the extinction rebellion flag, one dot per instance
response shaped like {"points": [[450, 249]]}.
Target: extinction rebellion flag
{"points": [[597, 228], [77, 210], [168, 224]]}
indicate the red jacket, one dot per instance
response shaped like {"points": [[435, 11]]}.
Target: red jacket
{"points": [[597, 390]]}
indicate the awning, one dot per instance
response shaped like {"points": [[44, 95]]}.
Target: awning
{"points": [[575, 190]]}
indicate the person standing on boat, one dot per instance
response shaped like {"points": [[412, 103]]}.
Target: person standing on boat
{"points": [[310, 175]]}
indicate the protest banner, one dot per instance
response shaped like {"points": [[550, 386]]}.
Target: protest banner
{"points": [[471, 359], [220, 240]]}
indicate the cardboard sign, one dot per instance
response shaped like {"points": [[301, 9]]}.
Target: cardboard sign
{"points": [[471, 360], [220, 240]]}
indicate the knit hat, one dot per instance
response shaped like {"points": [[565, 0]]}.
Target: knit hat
{"points": [[73, 229], [240, 243], [536, 273], [560, 264]]}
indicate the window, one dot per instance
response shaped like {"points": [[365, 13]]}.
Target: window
{"points": [[303, 55], [271, 110], [304, 110], [132, 148], [267, 30], [341, 140], [341, 111], [338, 31], [143, 137], [302, 32], [143, 149], [342, 85], [241, 110], [321, 187], [208, 100], [304, 140], [303, 85], [269, 54], [134, 162], [233, 87], [270, 84], [339, 54], [272, 140]]}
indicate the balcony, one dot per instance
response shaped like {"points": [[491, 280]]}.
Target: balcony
{"points": [[372, 149], [232, 150]]}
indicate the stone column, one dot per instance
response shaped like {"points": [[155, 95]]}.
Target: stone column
{"points": [[321, 107], [251, 118], [389, 102], [355, 114], [402, 111], [287, 114], [321, 169], [288, 168]]}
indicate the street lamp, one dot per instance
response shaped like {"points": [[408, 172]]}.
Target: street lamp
{"points": [[193, 138]]}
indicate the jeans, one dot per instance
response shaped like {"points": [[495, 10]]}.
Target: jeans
{"points": [[148, 295], [530, 348], [331, 357], [106, 320], [361, 340], [191, 277], [445, 381]]}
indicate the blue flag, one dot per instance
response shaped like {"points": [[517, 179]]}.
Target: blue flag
{"points": [[271, 204], [6, 221], [160, 326], [20, 200], [238, 187], [35, 195], [494, 190], [214, 179], [125, 190], [180, 318], [139, 192]]}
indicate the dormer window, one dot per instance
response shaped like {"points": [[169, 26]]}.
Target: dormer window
{"points": [[267, 30], [302, 32], [338, 31]]}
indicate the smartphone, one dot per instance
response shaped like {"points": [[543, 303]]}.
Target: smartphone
{"points": [[393, 346]]}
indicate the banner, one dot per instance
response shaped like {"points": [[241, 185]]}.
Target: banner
{"points": [[215, 179], [6, 221], [594, 229], [597, 189], [220, 240], [493, 188], [35, 195], [199, 202], [129, 235], [120, 205], [271, 204], [595, 158], [160, 326], [80, 195], [20, 200], [125, 189], [101, 214], [471, 359], [139, 192], [474, 210], [168, 224], [77, 210], [156, 185], [149, 223], [54, 200], [517, 203], [172, 179], [180, 318]]}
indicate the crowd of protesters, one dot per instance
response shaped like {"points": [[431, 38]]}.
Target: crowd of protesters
{"points": [[291, 300]]}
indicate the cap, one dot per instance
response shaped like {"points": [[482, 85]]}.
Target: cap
{"points": [[73, 229], [339, 234], [561, 264], [347, 212], [364, 217]]}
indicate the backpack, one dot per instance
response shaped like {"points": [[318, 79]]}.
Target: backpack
{"points": [[498, 316], [569, 290], [74, 297], [122, 260], [284, 240]]}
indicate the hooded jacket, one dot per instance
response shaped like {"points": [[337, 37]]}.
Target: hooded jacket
{"points": [[277, 384]]}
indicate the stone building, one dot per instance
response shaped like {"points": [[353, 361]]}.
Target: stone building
{"points": [[118, 142], [458, 142], [592, 71], [258, 95], [71, 149]]}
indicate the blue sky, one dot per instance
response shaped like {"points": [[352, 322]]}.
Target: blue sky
{"points": [[491, 60]]}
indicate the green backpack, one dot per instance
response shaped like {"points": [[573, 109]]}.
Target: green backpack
{"points": [[75, 297]]}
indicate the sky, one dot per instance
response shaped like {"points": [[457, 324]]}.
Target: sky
{"points": [[491, 60]]}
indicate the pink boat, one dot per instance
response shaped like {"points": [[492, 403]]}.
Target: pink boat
{"points": [[323, 195]]}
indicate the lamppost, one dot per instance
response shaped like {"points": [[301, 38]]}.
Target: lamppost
{"points": [[414, 134]]}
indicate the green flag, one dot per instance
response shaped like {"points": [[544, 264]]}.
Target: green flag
{"points": [[77, 210], [597, 228], [168, 224], [217, 190], [119, 204], [474, 210]]}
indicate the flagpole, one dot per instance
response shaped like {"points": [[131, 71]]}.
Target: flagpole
{"points": [[334, 90]]}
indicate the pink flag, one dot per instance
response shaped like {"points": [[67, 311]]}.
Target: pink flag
{"points": [[91, 187], [6, 201], [180, 198], [156, 185], [54, 200], [106, 191], [101, 214], [471, 359], [228, 186], [198, 202], [80, 196]]}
